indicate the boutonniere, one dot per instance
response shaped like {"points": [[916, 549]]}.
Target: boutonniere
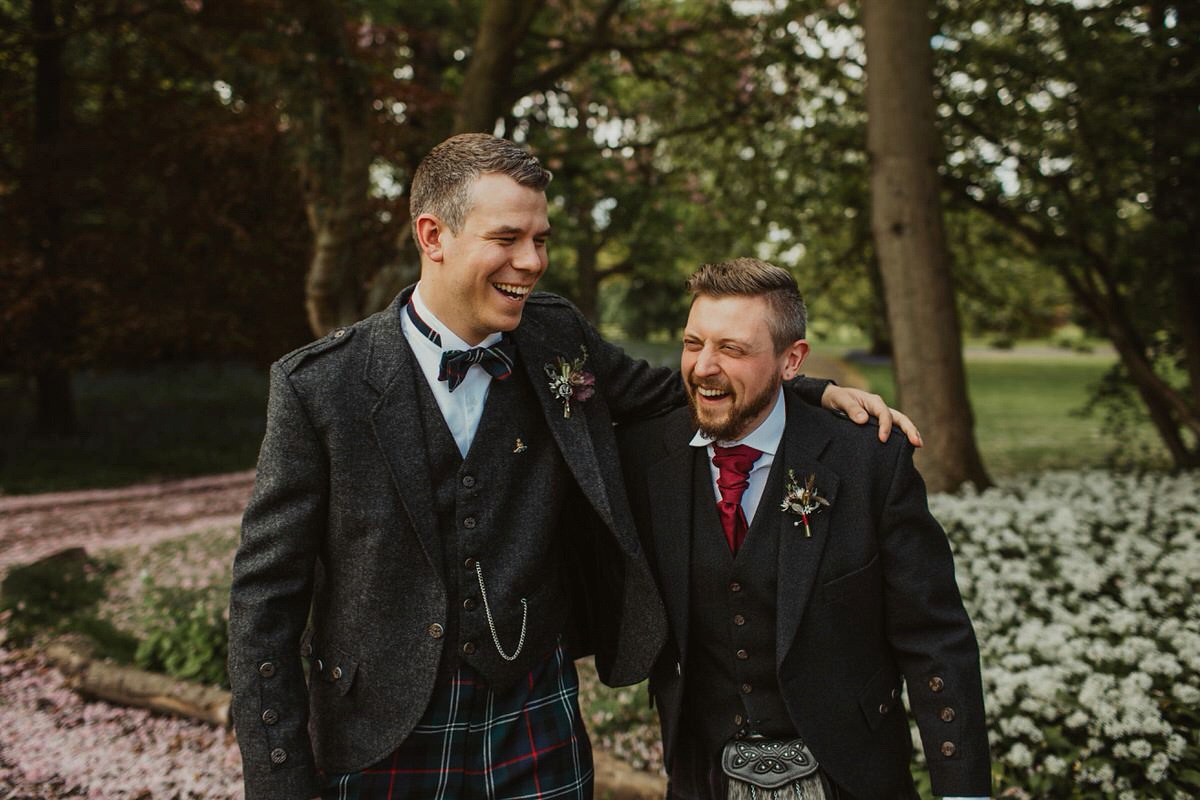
{"points": [[802, 500], [569, 381]]}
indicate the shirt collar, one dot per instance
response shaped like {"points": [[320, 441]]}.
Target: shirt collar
{"points": [[766, 437], [450, 340]]}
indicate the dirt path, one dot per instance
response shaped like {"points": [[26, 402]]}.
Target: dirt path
{"points": [[34, 526]]}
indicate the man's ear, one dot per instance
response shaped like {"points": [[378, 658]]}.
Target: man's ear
{"points": [[794, 356], [430, 234]]}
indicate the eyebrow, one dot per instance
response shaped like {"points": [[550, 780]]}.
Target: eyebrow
{"points": [[509, 230], [726, 340]]}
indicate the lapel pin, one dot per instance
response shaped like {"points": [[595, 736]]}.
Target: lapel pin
{"points": [[802, 501], [520, 446]]}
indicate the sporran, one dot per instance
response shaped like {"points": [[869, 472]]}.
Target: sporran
{"points": [[771, 769]]}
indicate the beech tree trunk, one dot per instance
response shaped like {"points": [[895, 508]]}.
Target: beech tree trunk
{"points": [[906, 222], [488, 83]]}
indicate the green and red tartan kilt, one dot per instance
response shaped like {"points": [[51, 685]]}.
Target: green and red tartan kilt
{"points": [[523, 743]]}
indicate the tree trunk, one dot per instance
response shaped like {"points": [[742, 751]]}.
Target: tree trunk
{"points": [[55, 403], [487, 85], [906, 220], [335, 160]]}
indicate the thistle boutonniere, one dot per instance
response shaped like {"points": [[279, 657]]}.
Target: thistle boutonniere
{"points": [[569, 381], [802, 500]]}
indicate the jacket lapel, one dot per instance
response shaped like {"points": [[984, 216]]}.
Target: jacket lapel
{"points": [[391, 370], [571, 433], [799, 555], [671, 489]]}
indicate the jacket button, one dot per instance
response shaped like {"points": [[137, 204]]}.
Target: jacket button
{"points": [[468, 481], [469, 604], [435, 630], [266, 669], [947, 714], [884, 708], [936, 684], [738, 619], [895, 693], [737, 720], [469, 564], [270, 716], [320, 665], [735, 587], [469, 522], [339, 333], [336, 673], [469, 648], [747, 688], [278, 755], [678, 668], [742, 654], [948, 749]]}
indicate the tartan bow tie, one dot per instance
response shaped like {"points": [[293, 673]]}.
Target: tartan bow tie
{"points": [[496, 359]]}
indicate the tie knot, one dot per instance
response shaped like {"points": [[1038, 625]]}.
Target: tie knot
{"points": [[738, 459]]}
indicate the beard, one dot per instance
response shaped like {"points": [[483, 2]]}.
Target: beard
{"points": [[730, 424]]}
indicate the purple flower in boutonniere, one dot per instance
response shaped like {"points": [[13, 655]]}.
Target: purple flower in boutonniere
{"points": [[569, 381], [802, 500]]}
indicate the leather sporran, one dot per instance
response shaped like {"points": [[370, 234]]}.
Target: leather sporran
{"points": [[771, 769]]}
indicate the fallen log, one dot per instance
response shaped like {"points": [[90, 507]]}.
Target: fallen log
{"points": [[130, 686]]}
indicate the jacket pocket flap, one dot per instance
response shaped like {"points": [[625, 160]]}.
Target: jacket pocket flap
{"points": [[881, 696], [848, 585]]}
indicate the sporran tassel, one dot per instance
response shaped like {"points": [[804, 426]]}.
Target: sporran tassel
{"points": [[807, 788]]}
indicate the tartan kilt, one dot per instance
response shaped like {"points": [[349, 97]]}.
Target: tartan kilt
{"points": [[523, 743]]}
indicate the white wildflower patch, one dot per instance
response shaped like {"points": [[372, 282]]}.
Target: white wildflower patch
{"points": [[1081, 588]]}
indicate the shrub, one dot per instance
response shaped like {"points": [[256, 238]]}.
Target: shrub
{"points": [[52, 595], [1082, 590], [186, 634]]}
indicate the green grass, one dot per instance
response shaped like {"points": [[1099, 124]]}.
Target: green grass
{"points": [[182, 421], [1026, 414], [162, 423]]}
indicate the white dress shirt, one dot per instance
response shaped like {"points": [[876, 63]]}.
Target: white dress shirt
{"points": [[766, 437], [463, 408]]}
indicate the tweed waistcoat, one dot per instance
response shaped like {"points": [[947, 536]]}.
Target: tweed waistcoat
{"points": [[513, 471], [732, 683]]}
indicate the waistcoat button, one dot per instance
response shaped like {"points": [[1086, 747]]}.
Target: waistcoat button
{"points": [[738, 619], [743, 655], [266, 669], [270, 716], [468, 481], [947, 714], [469, 648], [436, 630], [469, 604], [278, 755], [469, 522]]}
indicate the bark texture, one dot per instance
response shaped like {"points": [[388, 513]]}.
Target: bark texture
{"points": [[906, 222]]}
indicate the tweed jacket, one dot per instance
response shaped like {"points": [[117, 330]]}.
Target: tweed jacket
{"points": [[866, 602], [339, 544]]}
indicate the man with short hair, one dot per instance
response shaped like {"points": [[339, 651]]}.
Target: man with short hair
{"points": [[413, 531], [803, 575]]}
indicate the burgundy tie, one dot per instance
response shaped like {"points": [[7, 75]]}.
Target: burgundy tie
{"points": [[733, 464]]}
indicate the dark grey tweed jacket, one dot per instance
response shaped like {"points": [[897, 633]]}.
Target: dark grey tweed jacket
{"points": [[339, 542]]}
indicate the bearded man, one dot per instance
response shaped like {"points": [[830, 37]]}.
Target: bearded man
{"points": [[804, 578]]}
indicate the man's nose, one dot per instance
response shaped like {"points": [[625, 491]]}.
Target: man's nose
{"points": [[528, 257], [707, 363]]}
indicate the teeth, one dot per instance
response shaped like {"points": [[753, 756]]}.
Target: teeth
{"points": [[710, 392], [513, 288]]}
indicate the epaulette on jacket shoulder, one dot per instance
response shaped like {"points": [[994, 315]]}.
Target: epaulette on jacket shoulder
{"points": [[335, 338]]}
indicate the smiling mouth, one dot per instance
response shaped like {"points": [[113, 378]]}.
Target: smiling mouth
{"points": [[711, 394], [512, 291]]}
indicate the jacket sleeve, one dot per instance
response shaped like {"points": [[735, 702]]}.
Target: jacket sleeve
{"points": [[932, 638], [270, 597], [635, 390]]}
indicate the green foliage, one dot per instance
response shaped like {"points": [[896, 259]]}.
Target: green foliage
{"points": [[186, 634], [58, 594]]}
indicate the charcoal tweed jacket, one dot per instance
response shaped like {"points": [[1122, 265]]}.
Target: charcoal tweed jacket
{"points": [[866, 602], [341, 518]]}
